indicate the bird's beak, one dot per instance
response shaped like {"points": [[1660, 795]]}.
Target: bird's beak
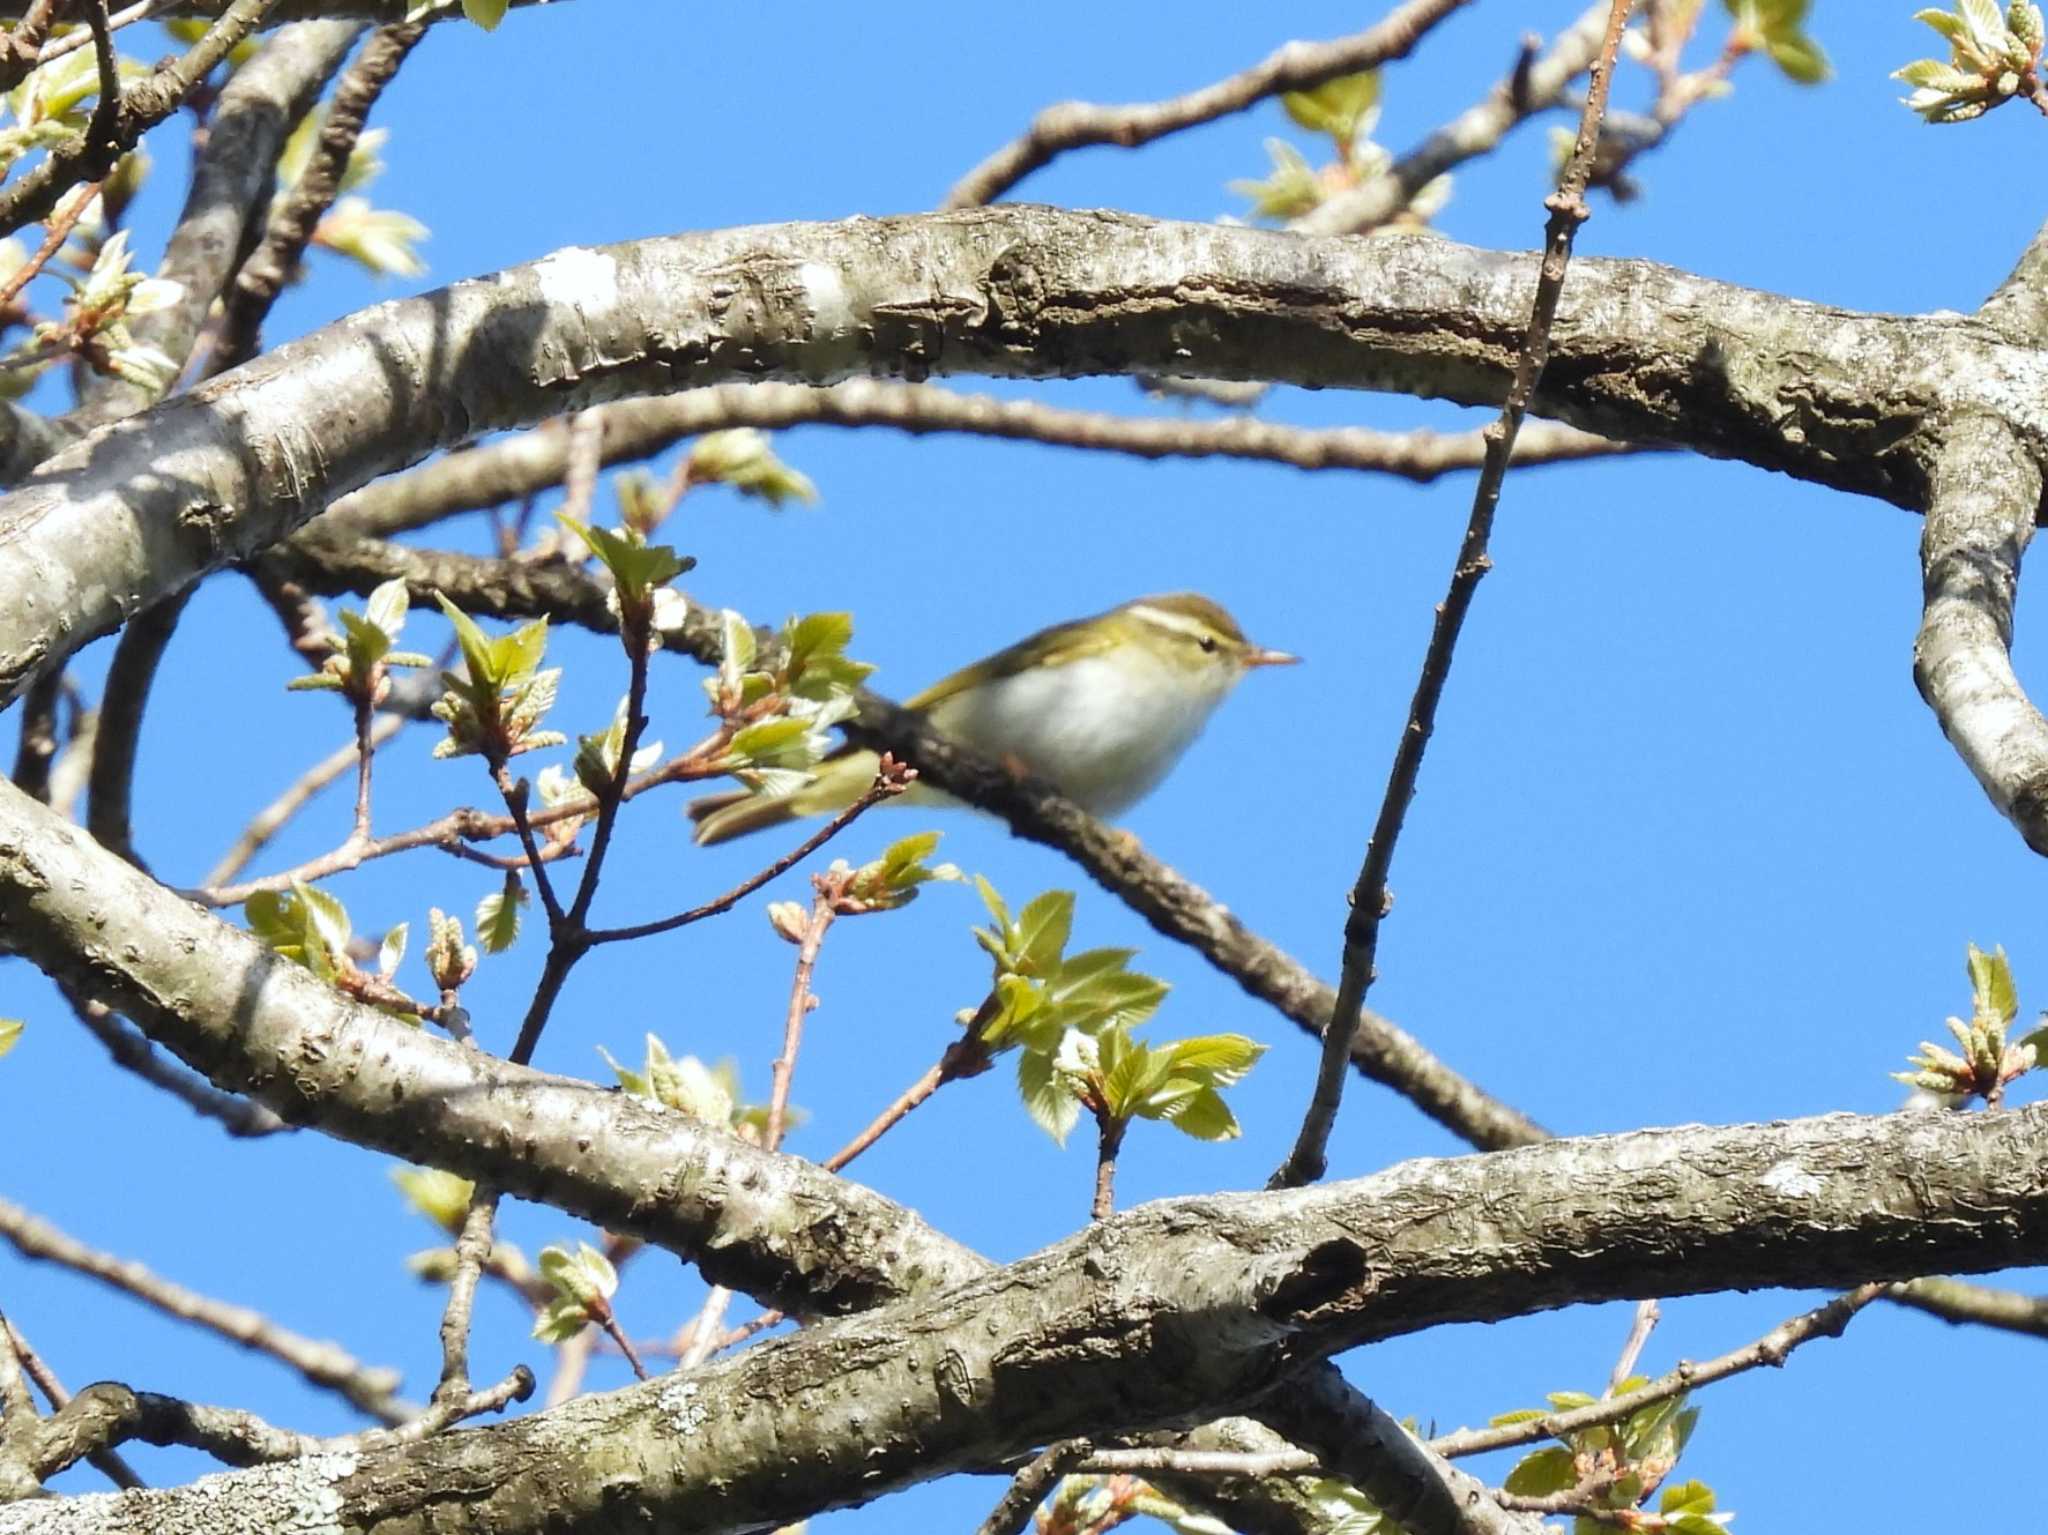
{"points": [[1271, 658]]}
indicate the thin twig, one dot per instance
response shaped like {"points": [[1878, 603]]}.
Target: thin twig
{"points": [[272, 818], [59, 230], [1108, 1141], [1370, 896], [133, 1051], [1144, 1462], [800, 1003], [878, 792], [1771, 1349], [323, 1364], [1295, 67], [449, 831], [142, 10], [706, 1335], [1645, 1319], [1028, 1488], [534, 461], [1954, 1301], [472, 1249], [889, 1118]]}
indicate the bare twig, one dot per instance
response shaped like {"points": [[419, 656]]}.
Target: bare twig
{"points": [[271, 819], [1640, 1325], [1369, 898], [520, 466], [1954, 1301], [132, 1051], [1109, 1140], [472, 1249], [1295, 67], [882, 789], [1145, 1462], [1029, 1487], [58, 231], [323, 1364], [800, 1004], [1771, 1349]]}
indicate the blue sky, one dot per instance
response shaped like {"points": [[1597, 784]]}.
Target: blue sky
{"points": [[1688, 846]]}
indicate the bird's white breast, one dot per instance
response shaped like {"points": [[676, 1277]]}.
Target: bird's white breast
{"points": [[1105, 731]]}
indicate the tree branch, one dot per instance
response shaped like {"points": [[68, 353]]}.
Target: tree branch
{"points": [[1985, 495], [1186, 1307], [1294, 67], [1643, 353], [1370, 896], [634, 429]]}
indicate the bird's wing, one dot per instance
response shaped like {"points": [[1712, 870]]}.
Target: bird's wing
{"points": [[1055, 646]]}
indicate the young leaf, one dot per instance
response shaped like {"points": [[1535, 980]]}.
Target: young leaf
{"points": [[1048, 1095], [10, 1034], [1042, 930], [497, 915]]}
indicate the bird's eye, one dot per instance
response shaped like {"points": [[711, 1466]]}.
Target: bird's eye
{"points": [[1209, 643]]}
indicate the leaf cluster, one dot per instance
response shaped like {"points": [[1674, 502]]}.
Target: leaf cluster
{"points": [[583, 1283], [492, 708], [639, 571], [1777, 29], [362, 651], [781, 706], [1619, 1465], [1993, 57], [1070, 1017], [311, 927], [743, 459], [707, 1093], [1988, 1060]]}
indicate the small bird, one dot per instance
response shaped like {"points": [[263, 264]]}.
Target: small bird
{"points": [[1100, 707]]}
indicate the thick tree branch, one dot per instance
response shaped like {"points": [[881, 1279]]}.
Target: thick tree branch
{"points": [[1985, 496], [2018, 308], [767, 1225], [1183, 1308], [1643, 353], [1294, 67], [231, 183]]}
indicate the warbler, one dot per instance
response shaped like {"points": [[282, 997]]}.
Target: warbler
{"points": [[1100, 707]]}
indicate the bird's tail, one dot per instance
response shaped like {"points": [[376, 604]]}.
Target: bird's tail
{"points": [[721, 817], [840, 780]]}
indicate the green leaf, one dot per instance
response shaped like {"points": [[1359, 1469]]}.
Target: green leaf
{"points": [[1566, 1401], [1800, 57], [515, 655], [1042, 930], [10, 1034], [1686, 1498], [387, 608], [485, 13], [391, 952], [1337, 107], [1519, 1415], [1047, 1094], [1542, 1472], [497, 915], [1991, 985], [1204, 1115], [477, 653], [1222, 1058], [994, 903], [441, 1197]]}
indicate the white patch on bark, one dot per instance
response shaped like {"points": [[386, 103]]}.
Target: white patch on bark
{"points": [[578, 277], [1791, 1180]]}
